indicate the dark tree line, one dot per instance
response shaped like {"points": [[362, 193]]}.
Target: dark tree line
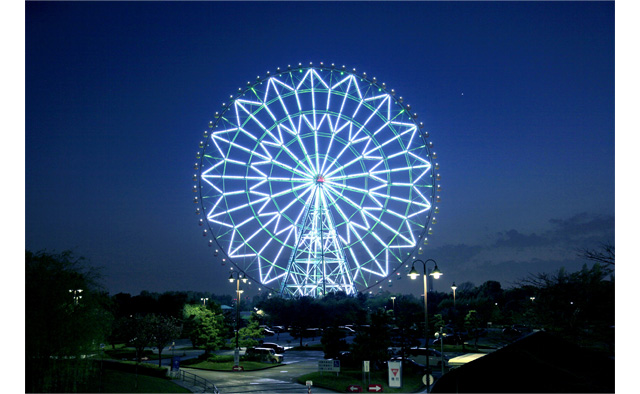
{"points": [[62, 324], [61, 327], [69, 317]]}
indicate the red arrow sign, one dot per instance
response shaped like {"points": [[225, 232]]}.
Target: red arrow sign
{"points": [[354, 389], [375, 388]]}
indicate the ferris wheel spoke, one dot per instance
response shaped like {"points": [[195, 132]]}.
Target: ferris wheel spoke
{"points": [[237, 207], [350, 80], [427, 204], [390, 140], [341, 168], [256, 121]]}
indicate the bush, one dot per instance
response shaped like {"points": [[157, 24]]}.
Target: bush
{"points": [[142, 369], [216, 358]]}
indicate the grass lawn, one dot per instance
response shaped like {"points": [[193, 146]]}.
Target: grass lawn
{"points": [[410, 383], [123, 382], [227, 365]]}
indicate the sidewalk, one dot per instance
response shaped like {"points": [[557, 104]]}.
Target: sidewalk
{"points": [[193, 389]]}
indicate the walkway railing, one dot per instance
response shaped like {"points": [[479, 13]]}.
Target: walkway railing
{"points": [[198, 381]]}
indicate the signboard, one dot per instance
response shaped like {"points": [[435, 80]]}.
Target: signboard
{"points": [[365, 366], [329, 365], [375, 388], [237, 368], [424, 379], [354, 389], [175, 363], [395, 373]]}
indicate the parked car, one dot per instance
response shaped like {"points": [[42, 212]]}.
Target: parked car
{"points": [[435, 357], [521, 328], [347, 330], [278, 349], [448, 339], [511, 332], [308, 333], [264, 354], [480, 332], [267, 333], [346, 360], [408, 365]]}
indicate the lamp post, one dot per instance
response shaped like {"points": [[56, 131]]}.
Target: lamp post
{"points": [[454, 287], [76, 296], [204, 301], [393, 306], [436, 273], [237, 278]]}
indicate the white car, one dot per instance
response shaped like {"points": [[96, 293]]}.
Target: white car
{"points": [[264, 354], [436, 359]]}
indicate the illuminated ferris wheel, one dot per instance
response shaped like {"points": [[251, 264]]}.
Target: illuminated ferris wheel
{"points": [[316, 179]]}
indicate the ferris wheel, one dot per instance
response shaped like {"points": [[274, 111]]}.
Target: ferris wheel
{"points": [[316, 179]]}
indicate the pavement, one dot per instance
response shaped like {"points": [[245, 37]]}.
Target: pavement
{"points": [[258, 382]]}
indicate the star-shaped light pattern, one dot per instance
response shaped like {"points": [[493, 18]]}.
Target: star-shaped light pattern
{"points": [[316, 179]]}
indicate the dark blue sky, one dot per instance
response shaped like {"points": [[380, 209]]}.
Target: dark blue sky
{"points": [[518, 98]]}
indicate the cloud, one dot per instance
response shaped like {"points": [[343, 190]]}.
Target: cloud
{"points": [[515, 239], [514, 253], [585, 227]]}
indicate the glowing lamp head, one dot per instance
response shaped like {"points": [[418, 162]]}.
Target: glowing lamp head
{"points": [[453, 286], [436, 273], [413, 274], [231, 278]]}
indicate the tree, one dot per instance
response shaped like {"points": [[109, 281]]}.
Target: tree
{"points": [[606, 255], [436, 322], [575, 305], [60, 327], [204, 327], [409, 317], [250, 335], [304, 313], [165, 330], [372, 343], [333, 341], [139, 331], [472, 324]]}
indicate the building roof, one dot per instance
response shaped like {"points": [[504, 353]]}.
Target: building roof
{"points": [[537, 363]]}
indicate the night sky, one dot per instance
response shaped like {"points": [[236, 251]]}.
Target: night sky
{"points": [[518, 99]]}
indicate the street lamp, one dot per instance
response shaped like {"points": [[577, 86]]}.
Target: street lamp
{"points": [[76, 296], [436, 273], [237, 278], [204, 301], [454, 287]]}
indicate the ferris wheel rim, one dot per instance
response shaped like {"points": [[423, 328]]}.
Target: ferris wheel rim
{"points": [[305, 175]]}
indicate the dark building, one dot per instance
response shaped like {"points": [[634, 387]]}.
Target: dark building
{"points": [[537, 363]]}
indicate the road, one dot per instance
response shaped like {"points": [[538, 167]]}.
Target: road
{"points": [[279, 379]]}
